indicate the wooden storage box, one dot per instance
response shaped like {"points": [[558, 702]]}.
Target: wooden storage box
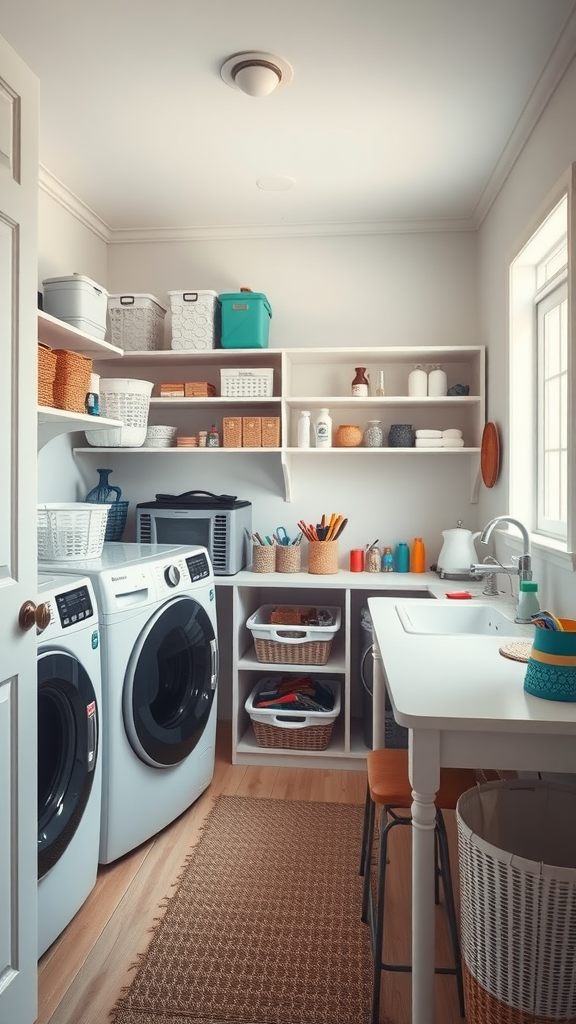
{"points": [[199, 389], [251, 432], [232, 431], [174, 389], [270, 431]]}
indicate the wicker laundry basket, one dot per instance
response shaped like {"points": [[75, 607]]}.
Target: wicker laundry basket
{"points": [[517, 843]]}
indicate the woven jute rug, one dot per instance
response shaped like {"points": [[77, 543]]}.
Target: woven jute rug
{"points": [[264, 924]]}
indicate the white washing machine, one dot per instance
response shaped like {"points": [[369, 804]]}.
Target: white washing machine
{"points": [[69, 761], [159, 682]]}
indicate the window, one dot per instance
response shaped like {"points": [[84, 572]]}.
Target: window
{"points": [[541, 381]]}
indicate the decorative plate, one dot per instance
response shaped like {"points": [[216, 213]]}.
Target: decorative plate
{"points": [[490, 455]]}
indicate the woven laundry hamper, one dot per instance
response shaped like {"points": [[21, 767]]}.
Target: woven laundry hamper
{"points": [[517, 851]]}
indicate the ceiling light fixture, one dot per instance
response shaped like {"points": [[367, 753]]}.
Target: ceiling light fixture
{"points": [[256, 73]]}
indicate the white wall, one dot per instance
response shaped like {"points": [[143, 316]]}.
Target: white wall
{"points": [[548, 153], [66, 246]]}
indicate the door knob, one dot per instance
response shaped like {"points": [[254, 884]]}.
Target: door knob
{"points": [[31, 615]]}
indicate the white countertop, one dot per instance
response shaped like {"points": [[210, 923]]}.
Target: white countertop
{"points": [[460, 681]]}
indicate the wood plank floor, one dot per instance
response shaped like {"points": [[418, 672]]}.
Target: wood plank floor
{"points": [[83, 973]]}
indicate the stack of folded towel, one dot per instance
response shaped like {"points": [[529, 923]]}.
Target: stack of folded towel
{"points": [[451, 438]]}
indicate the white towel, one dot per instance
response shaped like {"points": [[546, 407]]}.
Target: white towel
{"points": [[428, 442], [428, 433], [453, 432], [452, 442]]}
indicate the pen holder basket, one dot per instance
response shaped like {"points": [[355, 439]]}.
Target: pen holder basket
{"points": [[323, 557], [288, 557], [264, 558], [551, 669]]}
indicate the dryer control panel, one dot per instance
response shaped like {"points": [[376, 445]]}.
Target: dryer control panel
{"points": [[74, 606]]}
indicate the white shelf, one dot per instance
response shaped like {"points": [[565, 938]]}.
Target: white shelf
{"points": [[382, 402], [58, 334], [52, 422], [195, 403]]}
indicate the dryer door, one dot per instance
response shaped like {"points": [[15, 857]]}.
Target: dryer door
{"points": [[67, 752], [170, 683]]}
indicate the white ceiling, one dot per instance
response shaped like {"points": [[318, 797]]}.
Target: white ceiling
{"points": [[402, 111]]}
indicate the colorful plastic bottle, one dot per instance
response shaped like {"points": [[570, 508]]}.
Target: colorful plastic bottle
{"points": [[402, 557], [418, 556]]}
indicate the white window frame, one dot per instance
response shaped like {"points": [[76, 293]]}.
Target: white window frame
{"points": [[542, 236], [550, 301]]}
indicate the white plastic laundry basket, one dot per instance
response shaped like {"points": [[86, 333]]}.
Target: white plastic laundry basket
{"points": [[71, 531], [516, 843], [126, 400]]}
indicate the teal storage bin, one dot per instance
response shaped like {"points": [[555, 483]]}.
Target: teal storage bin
{"points": [[551, 669], [245, 320]]}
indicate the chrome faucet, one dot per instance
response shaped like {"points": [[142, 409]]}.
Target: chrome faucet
{"points": [[522, 568]]}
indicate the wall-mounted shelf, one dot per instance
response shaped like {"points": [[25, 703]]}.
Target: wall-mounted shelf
{"points": [[52, 422], [58, 334], [312, 379]]}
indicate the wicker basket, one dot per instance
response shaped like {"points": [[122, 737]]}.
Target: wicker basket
{"points": [[46, 375], [251, 432], [288, 557], [294, 730], [232, 431], [199, 389], [72, 380], [292, 645], [270, 431], [518, 901], [323, 557]]}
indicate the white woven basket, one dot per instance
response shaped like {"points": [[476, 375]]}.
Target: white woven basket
{"points": [[517, 845], [71, 531], [126, 400], [136, 322]]}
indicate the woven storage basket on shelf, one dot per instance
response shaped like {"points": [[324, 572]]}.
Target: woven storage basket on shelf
{"points": [[294, 730], [46, 375], [288, 644], [72, 380], [516, 843]]}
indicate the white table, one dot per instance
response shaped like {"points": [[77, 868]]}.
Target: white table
{"points": [[465, 706]]}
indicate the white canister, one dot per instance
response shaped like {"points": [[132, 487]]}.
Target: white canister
{"points": [[418, 382], [304, 429], [437, 382], [323, 429]]}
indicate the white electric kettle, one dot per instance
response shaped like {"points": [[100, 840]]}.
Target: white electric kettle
{"points": [[457, 554]]}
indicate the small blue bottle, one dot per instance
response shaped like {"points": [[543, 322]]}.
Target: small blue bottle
{"points": [[402, 557]]}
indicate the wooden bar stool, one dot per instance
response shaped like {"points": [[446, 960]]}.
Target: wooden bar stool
{"points": [[389, 788]]}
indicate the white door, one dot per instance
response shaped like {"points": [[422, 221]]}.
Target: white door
{"points": [[18, 567]]}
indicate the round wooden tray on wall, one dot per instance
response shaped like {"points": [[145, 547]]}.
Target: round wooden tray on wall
{"points": [[490, 455]]}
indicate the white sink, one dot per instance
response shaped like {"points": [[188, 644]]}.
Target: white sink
{"points": [[459, 617]]}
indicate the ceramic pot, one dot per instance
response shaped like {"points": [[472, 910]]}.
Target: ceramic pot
{"points": [[401, 435], [348, 435]]}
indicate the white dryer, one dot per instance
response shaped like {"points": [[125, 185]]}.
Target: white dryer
{"points": [[159, 680], [69, 761]]}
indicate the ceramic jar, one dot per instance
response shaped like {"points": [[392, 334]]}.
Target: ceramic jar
{"points": [[401, 435], [373, 435], [348, 435]]}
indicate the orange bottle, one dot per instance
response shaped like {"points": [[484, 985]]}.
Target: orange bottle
{"points": [[418, 556]]}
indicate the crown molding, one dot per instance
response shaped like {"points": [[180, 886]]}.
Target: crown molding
{"points": [[56, 189], [127, 236], [549, 80]]}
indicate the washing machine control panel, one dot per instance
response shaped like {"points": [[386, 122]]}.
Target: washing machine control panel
{"points": [[74, 606], [198, 567], [172, 575]]}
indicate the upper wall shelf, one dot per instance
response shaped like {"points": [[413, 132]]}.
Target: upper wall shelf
{"points": [[59, 334]]}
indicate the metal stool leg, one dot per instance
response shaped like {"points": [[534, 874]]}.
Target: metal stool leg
{"points": [[365, 826], [446, 873], [368, 859]]}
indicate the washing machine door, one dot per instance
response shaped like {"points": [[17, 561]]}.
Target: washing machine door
{"points": [[170, 683], [67, 751]]}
